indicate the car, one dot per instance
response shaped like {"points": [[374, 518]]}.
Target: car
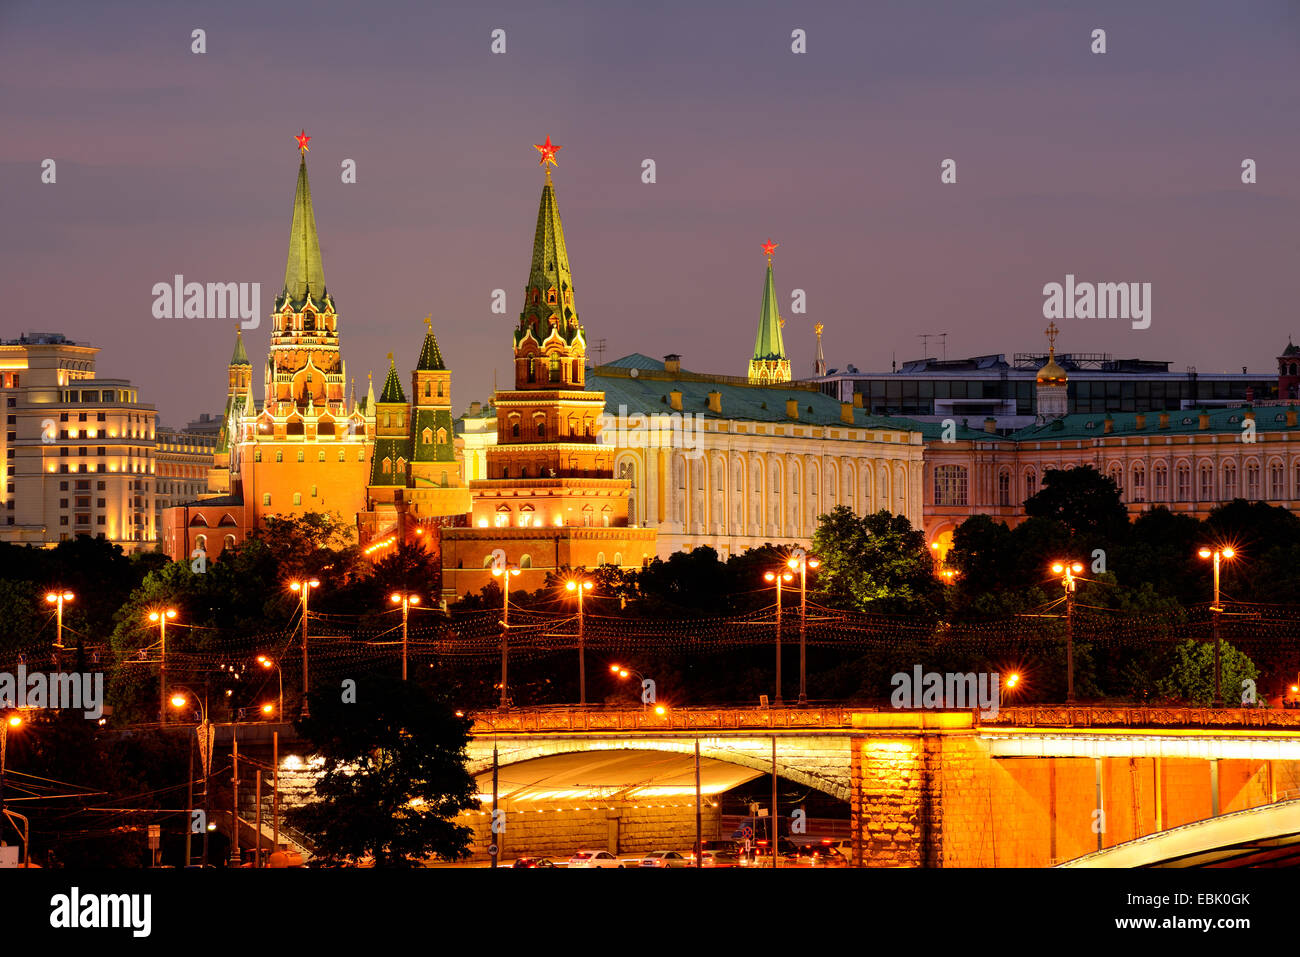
{"points": [[720, 858], [533, 862], [731, 847], [664, 859], [815, 855], [594, 859]]}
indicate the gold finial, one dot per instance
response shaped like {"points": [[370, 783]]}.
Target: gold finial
{"points": [[428, 322], [1052, 332], [780, 321], [390, 358], [818, 329]]}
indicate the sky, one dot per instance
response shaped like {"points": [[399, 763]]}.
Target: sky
{"points": [[1123, 166]]}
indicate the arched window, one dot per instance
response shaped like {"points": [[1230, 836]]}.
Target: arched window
{"points": [[679, 490], [756, 497], [320, 456], [201, 542], [297, 498], [737, 497], [361, 455], [796, 476], [514, 429], [541, 428], [440, 388], [1229, 481], [1004, 488], [386, 466], [1160, 483], [428, 389], [279, 455], [301, 454], [444, 479], [1252, 481], [1139, 490], [228, 543], [555, 368], [266, 499], [1031, 483], [401, 466], [884, 486], [257, 455], [600, 558], [427, 436], [532, 369], [868, 502], [618, 558], [526, 561], [342, 455], [313, 491]]}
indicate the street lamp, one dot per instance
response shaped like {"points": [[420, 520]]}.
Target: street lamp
{"points": [[1067, 570], [621, 671], [800, 561], [179, 701], [406, 601], [579, 586], [12, 720], [779, 576], [304, 588], [504, 571], [1216, 609], [493, 848], [266, 662], [160, 615], [57, 598]]}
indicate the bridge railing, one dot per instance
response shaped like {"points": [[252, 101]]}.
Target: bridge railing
{"points": [[1100, 716], [584, 720]]}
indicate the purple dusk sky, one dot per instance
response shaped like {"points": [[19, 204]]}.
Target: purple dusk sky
{"points": [[1117, 167]]}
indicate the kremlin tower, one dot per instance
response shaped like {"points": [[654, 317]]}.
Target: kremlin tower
{"points": [[550, 498], [769, 363]]}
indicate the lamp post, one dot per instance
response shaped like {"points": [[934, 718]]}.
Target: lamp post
{"points": [[800, 561], [779, 576], [504, 571], [304, 588], [1067, 571], [57, 598], [622, 671], [15, 721], [160, 615], [266, 662], [179, 701], [1218, 555], [580, 585], [406, 601]]}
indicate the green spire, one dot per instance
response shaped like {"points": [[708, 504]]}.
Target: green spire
{"points": [[303, 272], [430, 355], [240, 358], [769, 344], [549, 272], [392, 387]]}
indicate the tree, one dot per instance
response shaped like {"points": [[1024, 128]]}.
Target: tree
{"points": [[394, 777], [875, 562], [1083, 499], [1190, 677]]}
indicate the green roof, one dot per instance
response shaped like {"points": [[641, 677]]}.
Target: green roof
{"points": [[637, 361], [303, 273], [240, 358], [549, 270], [769, 343], [646, 396], [392, 386], [392, 449], [430, 356], [1092, 425]]}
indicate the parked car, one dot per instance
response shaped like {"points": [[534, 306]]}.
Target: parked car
{"points": [[729, 846], [594, 859], [533, 862], [664, 859]]}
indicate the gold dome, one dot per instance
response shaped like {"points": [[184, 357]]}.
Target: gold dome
{"points": [[1051, 373]]}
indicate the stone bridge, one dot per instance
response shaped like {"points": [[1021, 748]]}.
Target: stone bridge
{"points": [[1033, 787]]}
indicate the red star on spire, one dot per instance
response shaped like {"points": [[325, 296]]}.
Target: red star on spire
{"points": [[548, 152], [303, 139], [769, 247]]}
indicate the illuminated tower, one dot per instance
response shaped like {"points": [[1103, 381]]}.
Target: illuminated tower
{"points": [[769, 363], [550, 498], [304, 450]]}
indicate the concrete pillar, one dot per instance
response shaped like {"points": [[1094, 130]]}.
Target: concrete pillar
{"points": [[613, 819]]}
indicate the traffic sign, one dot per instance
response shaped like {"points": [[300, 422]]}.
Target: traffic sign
{"points": [[492, 849], [155, 836]]}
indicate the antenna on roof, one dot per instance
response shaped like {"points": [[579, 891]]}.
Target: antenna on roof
{"points": [[925, 338], [600, 352]]}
